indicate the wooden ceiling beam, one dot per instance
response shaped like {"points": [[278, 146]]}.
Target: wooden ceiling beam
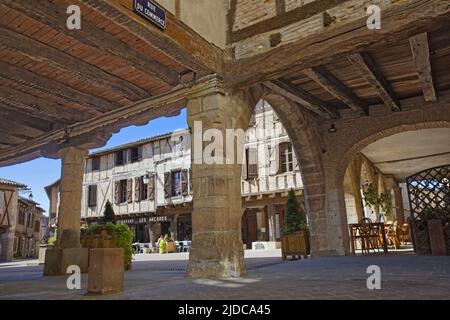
{"points": [[31, 102], [302, 97], [54, 15], [73, 66], [400, 20], [368, 70], [178, 41], [35, 81], [421, 55], [26, 118], [7, 138], [94, 132], [335, 87]]}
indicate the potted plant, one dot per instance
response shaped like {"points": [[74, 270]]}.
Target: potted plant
{"points": [[295, 236]]}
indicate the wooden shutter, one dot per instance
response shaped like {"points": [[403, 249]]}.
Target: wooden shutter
{"points": [[129, 190], [252, 168], [137, 189], [151, 186], [117, 192], [184, 182], [167, 185], [273, 160], [190, 181]]}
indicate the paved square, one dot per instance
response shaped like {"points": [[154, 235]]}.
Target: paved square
{"points": [[154, 276]]}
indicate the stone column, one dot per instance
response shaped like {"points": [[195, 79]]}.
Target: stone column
{"points": [[217, 247], [398, 200], [68, 250]]}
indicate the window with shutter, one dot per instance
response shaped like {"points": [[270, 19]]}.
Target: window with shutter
{"points": [[151, 186], [184, 182], [167, 185], [92, 195], [129, 190]]}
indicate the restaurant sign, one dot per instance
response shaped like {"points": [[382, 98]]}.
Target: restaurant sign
{"points": [[158, 219], [152, 12]]}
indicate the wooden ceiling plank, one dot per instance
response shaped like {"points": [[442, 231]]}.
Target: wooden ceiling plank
{"points": [[53, 87], [368, 70], [55, 16], [302, 97], [7, 138], [421, 55], [335, 87], [26, 118], [80, 69], [22, 109], [17, 126]]}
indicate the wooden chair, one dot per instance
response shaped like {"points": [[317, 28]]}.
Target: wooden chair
{"points": [[403, 233], [392, 235]]}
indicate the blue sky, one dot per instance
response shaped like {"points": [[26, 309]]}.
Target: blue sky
{"points": [[41, 172]]}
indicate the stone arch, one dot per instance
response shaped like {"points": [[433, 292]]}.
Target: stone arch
{"points": [[353, 135], [303, 129]]}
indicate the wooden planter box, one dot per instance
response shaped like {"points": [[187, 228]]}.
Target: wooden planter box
{"points": [[295, 244]]}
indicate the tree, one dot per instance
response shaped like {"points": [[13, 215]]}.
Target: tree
{"points": [[108, 214], [295, 218]]}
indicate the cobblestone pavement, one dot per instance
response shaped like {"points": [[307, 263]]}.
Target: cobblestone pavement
{"points": [[403, 276]]}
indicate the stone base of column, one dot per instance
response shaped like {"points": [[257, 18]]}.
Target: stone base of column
{"points": [[106, 271], [57, 260], [216, 254]]}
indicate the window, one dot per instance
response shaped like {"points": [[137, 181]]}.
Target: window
{"points": [[120, 157], [123, 191], [251, 161], [36, 226], [92, 196], [136, 154], [95, 163], [286, 157], [21, 217], [144, 191], [30, 220], [176, 183]]}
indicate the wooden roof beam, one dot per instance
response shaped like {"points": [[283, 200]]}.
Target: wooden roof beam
{"points": [[54, 15], [77, 68], [400, 20], [302, 97], [178, 41], [33, 80], [366, 66], [30, 102], [421, 55], [94, 132], [335, 87]]}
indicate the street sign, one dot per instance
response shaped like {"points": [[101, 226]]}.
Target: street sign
{"points": [[152, 12]]}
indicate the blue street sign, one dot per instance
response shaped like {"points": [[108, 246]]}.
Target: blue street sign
{"points": [[151, 11]]}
